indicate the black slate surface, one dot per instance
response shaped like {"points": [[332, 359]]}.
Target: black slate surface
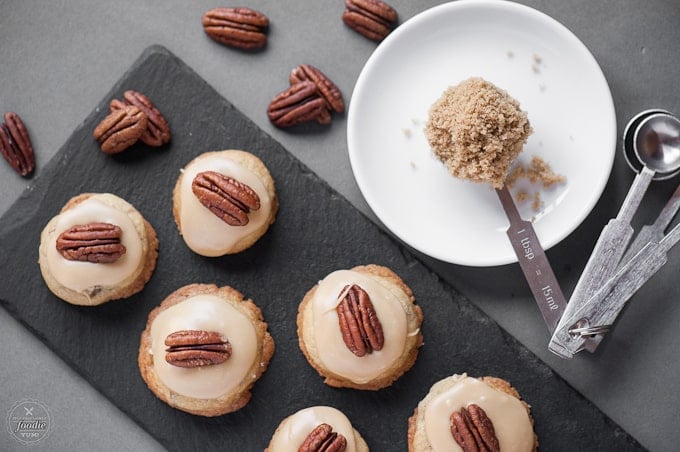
{"points": [[317, 231]]}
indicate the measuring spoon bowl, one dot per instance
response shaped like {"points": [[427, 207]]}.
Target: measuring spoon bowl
{"points": [[656, 142], [628, 143]]}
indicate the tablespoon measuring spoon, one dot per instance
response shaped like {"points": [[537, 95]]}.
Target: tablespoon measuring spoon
{"points": [[655, 230], [533, 262], [628, 144], [657, 146], [649, 232]]}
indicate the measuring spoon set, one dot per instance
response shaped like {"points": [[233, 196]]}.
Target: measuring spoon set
{"points": [[615, 270]]}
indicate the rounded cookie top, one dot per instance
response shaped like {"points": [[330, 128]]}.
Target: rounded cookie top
{"points": [[224, 201], [509, 425], [203, 349], [98, 248], [359, 328], [319, 422]]}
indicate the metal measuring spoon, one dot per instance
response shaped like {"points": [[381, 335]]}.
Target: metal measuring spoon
{"points": [[600, 312], [533, 262], [650, 232], [628, 143], [656, 143]]}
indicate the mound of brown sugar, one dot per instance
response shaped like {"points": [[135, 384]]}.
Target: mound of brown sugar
{"points": [[477, 130]]}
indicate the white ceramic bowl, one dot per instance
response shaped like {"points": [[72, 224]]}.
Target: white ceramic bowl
{"points": [[530, 55]]}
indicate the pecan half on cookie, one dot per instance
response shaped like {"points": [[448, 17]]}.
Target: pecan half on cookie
{"points": [[157, 132], [359, 324], [15, 144], [473, 430], [195, 348], [373, 19], [323, 439], [120, 129], [93, 242], [226, 197], [240, 27]]}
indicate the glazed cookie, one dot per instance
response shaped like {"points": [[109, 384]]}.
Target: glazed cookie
{"points": [[204, 348], [99, 248], [460, 411], [323, 426], [223, 202], [360, 328]]}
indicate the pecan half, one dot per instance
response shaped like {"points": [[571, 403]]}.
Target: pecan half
{"points": [[121, 129], [157, 132], [15, 144], [240, 27], [323, 439], [195, 348], [359, 324], [93, 242], [373, 19], [473, 430], [300, 103], [324, 85], [226, 197]]}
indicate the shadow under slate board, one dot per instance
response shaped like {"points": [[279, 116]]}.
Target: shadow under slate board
{"points": [[316, 232]]}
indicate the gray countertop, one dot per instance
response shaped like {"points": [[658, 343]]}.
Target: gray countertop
{"points": [[58, 59]]}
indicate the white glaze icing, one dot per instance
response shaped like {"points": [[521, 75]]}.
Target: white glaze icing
{"points": [[332, 350], [207, 313], [295, 428], [81, 276], [205, 233], [508, 415]]}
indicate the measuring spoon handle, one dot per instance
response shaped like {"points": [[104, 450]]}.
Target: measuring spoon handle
{"points": [[534, 263], [604, 306], [654, 232], [610, 247], [603, 261]]}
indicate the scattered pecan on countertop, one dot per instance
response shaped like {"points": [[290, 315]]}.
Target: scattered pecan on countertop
{"points": [[15, 144], [239, 27], [311, 96], [373, 19]]}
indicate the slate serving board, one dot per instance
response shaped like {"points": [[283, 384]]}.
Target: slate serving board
{"points": [[316, 232]]}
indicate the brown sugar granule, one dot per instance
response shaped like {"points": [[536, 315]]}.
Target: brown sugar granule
{"points": [[521, 196], [518, 172], [477, 130], [540, 171]]}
